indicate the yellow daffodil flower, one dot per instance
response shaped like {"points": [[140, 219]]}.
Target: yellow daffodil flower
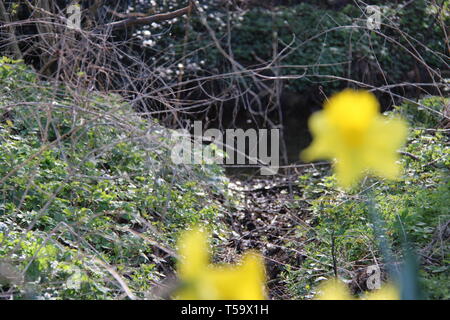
{"points": [[351, 130], [387, 292], [202, 281], [335, 289]]}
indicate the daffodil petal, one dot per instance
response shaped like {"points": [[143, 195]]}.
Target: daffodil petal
{"points": [[194, 253], [333, 289], [323, 137], [252, 276], [240, 282], [200, 280], [348, 168], [387, 292], [384, 140]]}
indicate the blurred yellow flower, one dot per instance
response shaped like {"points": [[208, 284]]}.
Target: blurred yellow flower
{"points": [[202, 281], [387, 292], [335, 289], [351, 130]]}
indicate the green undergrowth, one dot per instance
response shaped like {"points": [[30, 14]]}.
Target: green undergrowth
{"points": [[79, 178]]}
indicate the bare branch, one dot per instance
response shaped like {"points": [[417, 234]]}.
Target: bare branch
{"points": [[137, 21]]}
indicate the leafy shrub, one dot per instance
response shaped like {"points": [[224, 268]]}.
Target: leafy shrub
{"points": [[80, 174]]}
